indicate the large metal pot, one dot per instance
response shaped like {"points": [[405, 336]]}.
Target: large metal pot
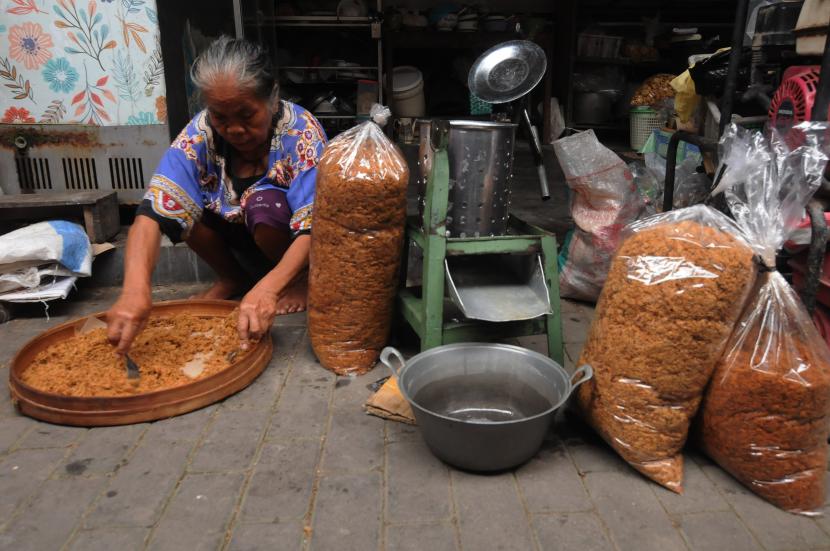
{"points": [[481, 169], [483, 407], [592, 108]]}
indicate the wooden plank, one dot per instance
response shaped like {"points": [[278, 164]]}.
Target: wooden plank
{"points": [[105, 214], [97, 209], [58, 199]]}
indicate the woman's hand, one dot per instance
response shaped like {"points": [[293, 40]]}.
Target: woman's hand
{"points": [[127, 318], [259, 306], [256, 313], [129, 314]]}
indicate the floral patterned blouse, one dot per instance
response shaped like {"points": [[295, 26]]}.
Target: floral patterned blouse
{"points": [[192, 176]]}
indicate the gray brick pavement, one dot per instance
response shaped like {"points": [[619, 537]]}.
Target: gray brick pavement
{"points": [[775, 529], [269, 384], [13, 429], [132, 498], [102, 450], [347, 513], [49, 519], [231, 440], [354, 441], [198, 515], [633, 514], [402, 432], [303, 407], [119, 538], [6, 407], [418, 537], [572, 532], [285, 536], [482, 499], [713, 530], [282, 482], [52, 436], [21, 474], [699, 493], [293, 463], [550, 482], [417, 484]]}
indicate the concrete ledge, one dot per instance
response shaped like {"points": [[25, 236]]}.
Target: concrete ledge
{"points": [[176, 264]]}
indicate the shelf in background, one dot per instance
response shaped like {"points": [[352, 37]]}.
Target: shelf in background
{"points": [[431, 39], [604, 60], [625, 61], [639, 24], [623, 125], [310, 21], [333, 82], [337, 68]]}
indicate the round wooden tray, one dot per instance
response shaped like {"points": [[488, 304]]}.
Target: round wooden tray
{"points": [[149, 406]]}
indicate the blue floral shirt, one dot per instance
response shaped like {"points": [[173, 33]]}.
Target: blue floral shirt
{"points": [[192, 176]]}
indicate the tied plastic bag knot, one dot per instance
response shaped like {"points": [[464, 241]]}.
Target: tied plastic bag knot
{"points": [[380, 114]]}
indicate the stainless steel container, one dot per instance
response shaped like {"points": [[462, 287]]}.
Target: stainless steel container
{"points": [[483, 407], [481, 169]]}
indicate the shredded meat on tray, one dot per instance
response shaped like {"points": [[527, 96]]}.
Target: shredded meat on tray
{"points": [[87, 365]]}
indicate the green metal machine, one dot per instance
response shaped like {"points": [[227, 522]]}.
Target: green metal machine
{"points": [[425, 311]]}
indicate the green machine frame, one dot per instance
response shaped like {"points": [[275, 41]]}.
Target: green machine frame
{"points": [[425, 313]]}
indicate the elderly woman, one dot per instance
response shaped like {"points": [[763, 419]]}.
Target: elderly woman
{"points": [[240, 176]]}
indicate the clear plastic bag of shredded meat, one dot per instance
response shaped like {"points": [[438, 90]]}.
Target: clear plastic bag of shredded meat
{"points": [[356, 241], [766, 413], [673, 294]]}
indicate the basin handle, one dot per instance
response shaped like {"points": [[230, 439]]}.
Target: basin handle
{"points": [[582, 374], [386, 359]]}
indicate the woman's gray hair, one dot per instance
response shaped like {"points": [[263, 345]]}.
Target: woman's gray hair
{"points": [[246, 62]]}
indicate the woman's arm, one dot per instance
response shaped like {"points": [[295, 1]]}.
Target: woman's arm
{"points": [[128, 315], [259, 306]]}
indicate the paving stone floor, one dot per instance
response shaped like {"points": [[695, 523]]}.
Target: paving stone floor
{"points": [[292, 462]]}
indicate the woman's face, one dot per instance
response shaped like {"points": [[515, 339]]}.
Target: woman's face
{"points": [[240, 117]]}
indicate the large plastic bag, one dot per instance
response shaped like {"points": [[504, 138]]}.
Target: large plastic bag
{"points": [[57, 241], [649, 186], [42, 261], [690, 186], [604, 200], [674, 292], [359, 222], [766, 413]]}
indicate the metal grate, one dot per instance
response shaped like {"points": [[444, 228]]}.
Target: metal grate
{"points": [[80, 173], [126, 173], [33, 173], [81, 158]]}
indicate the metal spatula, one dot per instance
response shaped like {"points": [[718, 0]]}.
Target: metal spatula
{"points": [[90, 324], [132, 368]]}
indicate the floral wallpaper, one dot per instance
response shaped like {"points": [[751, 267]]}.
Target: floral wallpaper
{"points": [[95, 62]]}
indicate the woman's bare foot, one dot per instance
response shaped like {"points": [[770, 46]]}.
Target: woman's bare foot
{"points": [[294, 299], [222, 289]]}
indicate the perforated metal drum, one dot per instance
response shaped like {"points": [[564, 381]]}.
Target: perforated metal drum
{"points": [[481, 169]]}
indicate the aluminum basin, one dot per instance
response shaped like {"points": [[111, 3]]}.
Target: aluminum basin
{"points": [[483, 407]]}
